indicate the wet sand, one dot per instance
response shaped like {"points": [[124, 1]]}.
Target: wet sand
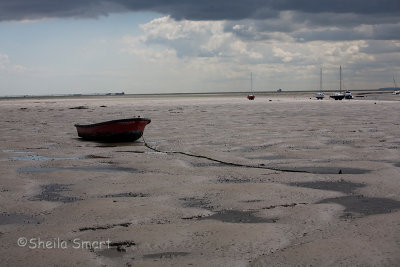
{"points": [[210, 190]]}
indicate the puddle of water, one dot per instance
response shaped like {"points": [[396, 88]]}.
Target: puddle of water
{"points": [[237, 216], [364, 206], [15, 218], [42, 158], [35, 157], [103, 169], [165, 255], [330, 170], [52, 193], [36, 169], [111, 253], [14, 151], [340, 186], [39, 169]]}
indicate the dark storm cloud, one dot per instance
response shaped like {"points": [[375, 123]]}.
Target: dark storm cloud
{"points": [[191, 9]]}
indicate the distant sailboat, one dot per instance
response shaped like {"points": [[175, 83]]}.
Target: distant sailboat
{"points": [[251, 96], [320, 95], [396, 91], [339, 95]]}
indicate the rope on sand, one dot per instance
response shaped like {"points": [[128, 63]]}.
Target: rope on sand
{"points": [[221, 161]]}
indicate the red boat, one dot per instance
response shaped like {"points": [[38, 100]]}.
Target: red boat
{"points": [[251, 96], [125, 130]]}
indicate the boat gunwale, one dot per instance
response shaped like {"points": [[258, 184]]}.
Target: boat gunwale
{"points": [[111, 122]]}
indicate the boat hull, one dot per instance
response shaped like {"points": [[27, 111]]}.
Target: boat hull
{"points": [[125, 130], [337, 97]]}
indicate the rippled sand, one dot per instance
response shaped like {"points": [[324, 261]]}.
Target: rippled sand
{"points": [[282, 180]]}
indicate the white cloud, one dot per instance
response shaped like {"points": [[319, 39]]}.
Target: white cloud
{"points": [[6, 65], [4, 61], [286, 56], [213, 51]]}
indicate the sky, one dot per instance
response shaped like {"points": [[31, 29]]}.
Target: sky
{"points": [[186, 46]]}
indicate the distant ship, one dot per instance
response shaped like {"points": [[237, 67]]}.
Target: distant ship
{"points": [[339, 95], [319, 95], [348, 95]]}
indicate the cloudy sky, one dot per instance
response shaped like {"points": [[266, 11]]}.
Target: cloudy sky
{"points": [[158, 46]]}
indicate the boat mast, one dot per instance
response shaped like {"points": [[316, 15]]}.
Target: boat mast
{"points": [[320, 81], [395, 85], [251, 82], [340, 71]]}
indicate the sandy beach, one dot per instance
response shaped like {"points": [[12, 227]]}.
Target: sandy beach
{"points": [[284, 180]]}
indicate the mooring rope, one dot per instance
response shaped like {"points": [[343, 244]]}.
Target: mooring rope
{"points": [[221, 161]]}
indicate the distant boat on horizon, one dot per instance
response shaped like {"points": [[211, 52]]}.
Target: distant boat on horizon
{"points": [[251, 96], [320, 95], [396, 91], [338, 95]]}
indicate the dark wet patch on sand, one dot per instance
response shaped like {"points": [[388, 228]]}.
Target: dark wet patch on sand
{"points": [[52, 193], [104, 227], [207, 164], [238, 216], [36, 169], [96, 157], [193, 202], [116, 249], [291, 205], [128, 194], [165, 255], [104, 169], [233, 180], [359, 206], [340, 142], [340, 186], [329, 170], [79, 107], [110, 253], [252, 201], [39, 169], [16, 218], [268, 157]]}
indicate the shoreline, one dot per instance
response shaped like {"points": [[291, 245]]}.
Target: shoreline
{"points": [[206, 94]]}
